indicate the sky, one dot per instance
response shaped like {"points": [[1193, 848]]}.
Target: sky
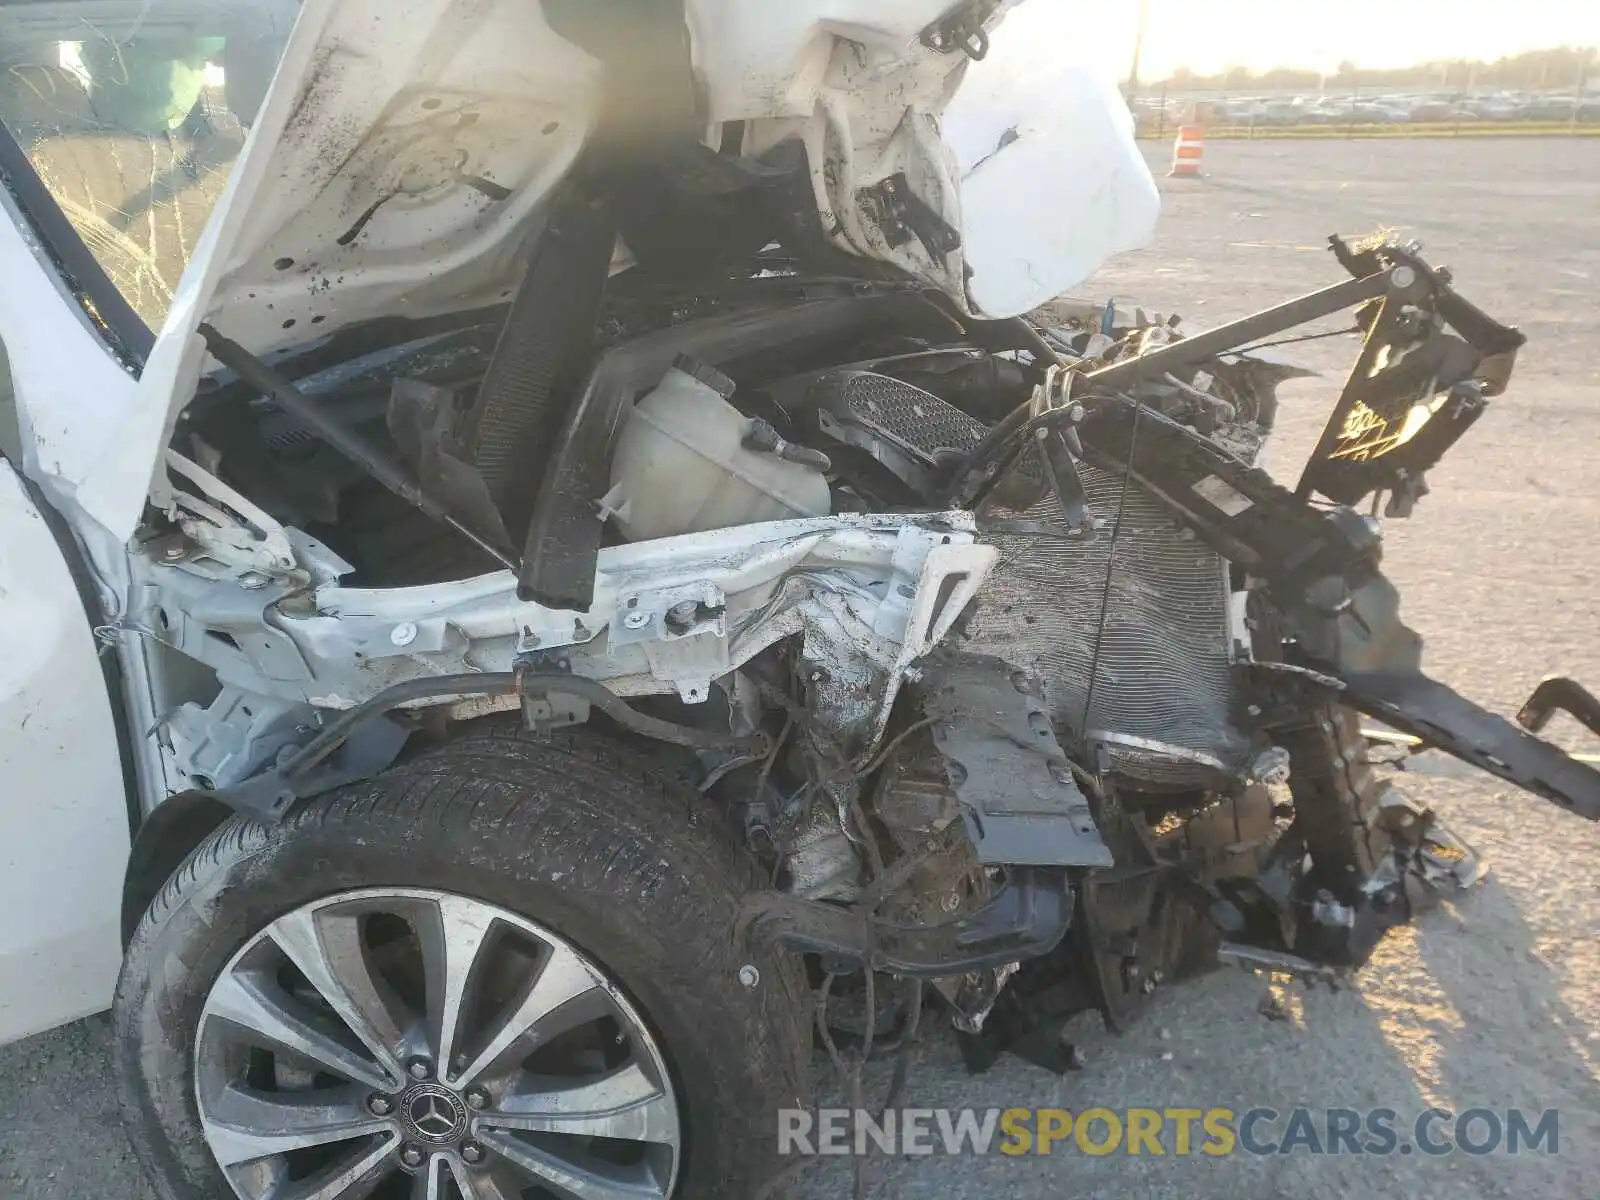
{"points": [[1208, 35]]}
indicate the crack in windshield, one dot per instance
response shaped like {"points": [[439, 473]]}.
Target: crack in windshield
{"points": [[132, 113]]}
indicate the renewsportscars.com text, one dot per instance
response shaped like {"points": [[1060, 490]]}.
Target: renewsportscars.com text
{"points": [[1212, 1132]]}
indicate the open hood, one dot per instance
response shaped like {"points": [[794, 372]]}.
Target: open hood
{"points": [[405, 156]]}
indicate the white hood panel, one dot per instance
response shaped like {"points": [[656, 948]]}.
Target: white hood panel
{"points": [[772, 60], [416, 145], [350, 201]]}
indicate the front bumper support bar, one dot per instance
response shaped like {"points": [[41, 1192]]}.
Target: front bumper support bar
{"points": [[1440, 717]]}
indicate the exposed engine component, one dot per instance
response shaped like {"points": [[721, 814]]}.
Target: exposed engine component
{"points": [[997, 749], [911, 432], [823, 863], [687, 460], [670, 369], [1070, 608]]}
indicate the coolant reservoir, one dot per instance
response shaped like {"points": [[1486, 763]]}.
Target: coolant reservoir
{"points": [[681, 466]]}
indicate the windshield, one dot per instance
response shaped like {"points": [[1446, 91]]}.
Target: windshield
{"points": [[132, 113]]}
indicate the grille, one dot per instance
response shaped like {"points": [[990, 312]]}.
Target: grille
{"points": [[1163, 673], [914, 416]]}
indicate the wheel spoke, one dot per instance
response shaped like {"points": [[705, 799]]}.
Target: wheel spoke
{"points": [[429, 1183], [571, 1179], [242, 1125], [432, 1183], [625, 1104], [354, 1179], [485, 1185], [452, 933], [562, 981], [327, 949], [250, 1003], [496, 1183]]}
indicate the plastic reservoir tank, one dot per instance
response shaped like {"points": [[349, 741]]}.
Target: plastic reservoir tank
{"points": [[681, 466]]}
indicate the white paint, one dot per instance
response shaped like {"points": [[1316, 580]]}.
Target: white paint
{"points": [[853, 561], [769, 60], [366, 107], [72, 395], [63, 815], [1067, 191], [346, 123], [1222, 495]]}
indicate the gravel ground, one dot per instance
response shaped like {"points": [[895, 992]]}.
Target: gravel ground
{"points": [[1493, 999]]}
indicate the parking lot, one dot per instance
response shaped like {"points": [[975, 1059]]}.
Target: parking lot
{"points": [[1341, 107], [1492, 1000]]}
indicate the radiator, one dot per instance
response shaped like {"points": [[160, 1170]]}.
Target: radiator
{"points": [[1163, 682]]}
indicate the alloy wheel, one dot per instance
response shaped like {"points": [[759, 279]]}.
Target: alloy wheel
{"points": [[402, 1044]]}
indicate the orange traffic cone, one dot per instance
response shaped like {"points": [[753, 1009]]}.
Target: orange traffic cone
{"points": [[1187, 151]]}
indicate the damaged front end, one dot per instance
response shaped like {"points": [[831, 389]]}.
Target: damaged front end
{"points": [[1025, 661], [1019, 676]]}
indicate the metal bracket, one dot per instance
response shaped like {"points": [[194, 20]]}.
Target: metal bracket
{"points": [[1028, 918], [544, 711], [916, 565], [961, 29], [683, 632], [1254, 958], [1439, 716], [247, 545], [903, 215], [1560, 694], [1060, 447]]}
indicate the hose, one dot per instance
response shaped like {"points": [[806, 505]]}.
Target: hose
{"points": [[507, 683]]}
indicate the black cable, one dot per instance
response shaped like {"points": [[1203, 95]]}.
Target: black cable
{"points": [[486, 683], [902, 1051], [1308, 337], [858, 1099], [894, 743], [506, 683]]}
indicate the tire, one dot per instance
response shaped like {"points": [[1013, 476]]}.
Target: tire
{"points": [[1337, 798], [578, 833]]}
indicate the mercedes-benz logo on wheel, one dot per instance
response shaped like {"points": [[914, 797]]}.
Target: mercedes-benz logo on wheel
{"points": [[435, 1114]]}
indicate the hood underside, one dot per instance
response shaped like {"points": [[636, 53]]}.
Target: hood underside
{"points": [[404, 161]]}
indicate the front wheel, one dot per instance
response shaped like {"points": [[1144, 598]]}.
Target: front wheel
{"points": [[504, 970]]}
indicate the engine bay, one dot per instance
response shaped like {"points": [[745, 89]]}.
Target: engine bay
{"points": [[989, 637]]}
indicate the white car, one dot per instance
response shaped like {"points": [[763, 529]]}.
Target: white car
{"points": [[535, 541]]}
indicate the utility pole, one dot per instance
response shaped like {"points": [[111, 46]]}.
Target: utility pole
{"points": [[1138, 47]]}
